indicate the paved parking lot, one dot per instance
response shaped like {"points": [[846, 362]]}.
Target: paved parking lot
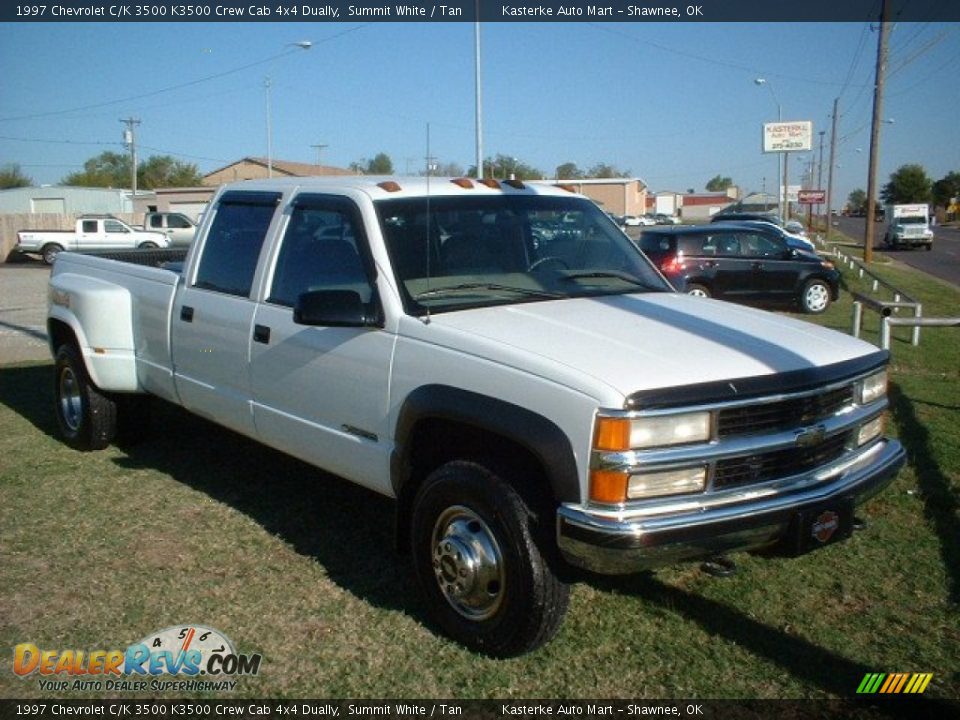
{"points": [[23, 312]]}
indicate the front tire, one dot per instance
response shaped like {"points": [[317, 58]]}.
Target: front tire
{"points": [[698, 290], [87, 418], [148, 245], [480, 562], [815, 297]]}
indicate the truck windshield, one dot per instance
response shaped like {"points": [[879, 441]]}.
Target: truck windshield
{"points": [[912, 220], [480, 251]]}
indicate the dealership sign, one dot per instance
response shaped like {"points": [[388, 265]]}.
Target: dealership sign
{"points": [[787, 136], [812, 197]]}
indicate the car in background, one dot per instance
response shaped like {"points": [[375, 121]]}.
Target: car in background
{"points": [[637, 221], [663, 219], [742, 263], [769, 216], [801, 242], [795, 227]]}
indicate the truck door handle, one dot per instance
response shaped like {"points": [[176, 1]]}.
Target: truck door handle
{"points": [[758, 266], [261, 334], [186, 313], [710, 263]]}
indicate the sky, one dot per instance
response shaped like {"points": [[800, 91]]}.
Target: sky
{"points": [[673, 104]]}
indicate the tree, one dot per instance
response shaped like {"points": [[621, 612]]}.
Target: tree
{"points": [[569, 171], [112, 170], [945, 189], [165, 171], [11, 176], [857, 201], [450, 169], [718, 183], [380, 165], [108, 169], [506, 166], [908, 184], [602, 170]]}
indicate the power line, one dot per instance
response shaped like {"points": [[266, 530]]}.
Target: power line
{"points": [[170, 88]]}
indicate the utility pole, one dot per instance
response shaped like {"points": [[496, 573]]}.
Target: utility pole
{"points": [[130, 138], [875, 131], [833, 151], [786, 198], [479, 98], [319, 148], [820, 167]]}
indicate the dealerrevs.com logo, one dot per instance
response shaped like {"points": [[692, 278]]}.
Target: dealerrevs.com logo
{"points": [[200, 658]]}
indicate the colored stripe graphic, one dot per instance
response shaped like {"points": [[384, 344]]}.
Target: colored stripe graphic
{"points": [[894, 683]]}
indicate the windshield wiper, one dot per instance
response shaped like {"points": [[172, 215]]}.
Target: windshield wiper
{"points": [[626, 277], [454, 289]]}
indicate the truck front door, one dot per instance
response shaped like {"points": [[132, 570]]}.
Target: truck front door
{"points": [[213, 313], [321, 393]]}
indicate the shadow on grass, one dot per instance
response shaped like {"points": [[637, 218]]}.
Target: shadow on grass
{"points": [[28, 391], [346, 528], [940, 503]]}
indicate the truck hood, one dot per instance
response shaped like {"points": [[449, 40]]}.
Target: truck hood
{"points": [[631, 343]]}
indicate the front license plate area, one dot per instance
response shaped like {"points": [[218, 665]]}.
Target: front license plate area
{"points": [[819, 526]]}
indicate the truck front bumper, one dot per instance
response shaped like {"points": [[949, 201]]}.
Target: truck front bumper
{"points": [[620, 545]]}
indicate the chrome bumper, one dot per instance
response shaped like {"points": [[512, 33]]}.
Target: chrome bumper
{"points": [[624, 545]]}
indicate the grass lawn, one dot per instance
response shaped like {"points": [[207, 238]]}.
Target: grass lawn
{"points": [[199, 525]]}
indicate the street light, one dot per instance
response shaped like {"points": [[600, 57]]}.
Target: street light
{"points": [[303, 45], [783, 195]]}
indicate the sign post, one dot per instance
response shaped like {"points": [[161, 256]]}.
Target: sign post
{"points": [[787, 137]]}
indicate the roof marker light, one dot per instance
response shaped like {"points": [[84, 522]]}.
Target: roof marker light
{"points": [[490, 183], [389, 186], [517, 184], [465, 183]]}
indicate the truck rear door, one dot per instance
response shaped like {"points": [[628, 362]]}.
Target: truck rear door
{"points": [[321, 393], [213, 314]]}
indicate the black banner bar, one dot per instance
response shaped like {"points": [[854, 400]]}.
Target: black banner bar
{"points": [[635, 11], [867, 707]]}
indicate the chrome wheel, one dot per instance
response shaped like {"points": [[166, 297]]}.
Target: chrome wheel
{"points": [[467, 563], [71, 403], [816, 298]]}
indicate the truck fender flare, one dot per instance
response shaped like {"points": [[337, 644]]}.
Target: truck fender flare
{"points": [[105, 340], [537, 434]]}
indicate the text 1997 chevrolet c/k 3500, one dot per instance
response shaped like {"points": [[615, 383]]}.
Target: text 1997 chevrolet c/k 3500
{"points": [[501, 360]]}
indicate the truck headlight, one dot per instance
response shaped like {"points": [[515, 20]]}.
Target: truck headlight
{"points": [[873, 387], [619, 434]]}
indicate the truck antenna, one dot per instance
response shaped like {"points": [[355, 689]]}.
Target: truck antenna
{"points": [[426, 318]]}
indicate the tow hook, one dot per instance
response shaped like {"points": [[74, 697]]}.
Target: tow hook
{"points": [[719, 567]]}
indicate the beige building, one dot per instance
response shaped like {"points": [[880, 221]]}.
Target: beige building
{"points": [[256, 168], [620, 196]]}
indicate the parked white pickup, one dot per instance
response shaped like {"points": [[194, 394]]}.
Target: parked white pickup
{"points": [[90, 233], [503, 362]]}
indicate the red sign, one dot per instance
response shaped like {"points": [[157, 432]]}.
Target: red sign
{"points": [[812, 197]]}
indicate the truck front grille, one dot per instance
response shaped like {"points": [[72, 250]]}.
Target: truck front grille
{"points": [[782, 415], [735, 472]]}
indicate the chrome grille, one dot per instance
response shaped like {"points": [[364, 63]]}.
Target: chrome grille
{"points": [[735, 472], [782, 415]]}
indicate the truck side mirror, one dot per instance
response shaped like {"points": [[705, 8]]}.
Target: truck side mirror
{"points": [[335, 308]]}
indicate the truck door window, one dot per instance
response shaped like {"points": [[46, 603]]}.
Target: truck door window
{"points": [[178, 222], [89, 226], [112, 226], [319, 252], [232, 247], [156, 221]]}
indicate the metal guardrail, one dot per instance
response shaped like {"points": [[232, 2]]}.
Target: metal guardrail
{"points": [[901, 301], [888, 322]]}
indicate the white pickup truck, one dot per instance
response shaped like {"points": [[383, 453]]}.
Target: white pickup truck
{"points": [[92, 232], [501, 360], [179, 229]]}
